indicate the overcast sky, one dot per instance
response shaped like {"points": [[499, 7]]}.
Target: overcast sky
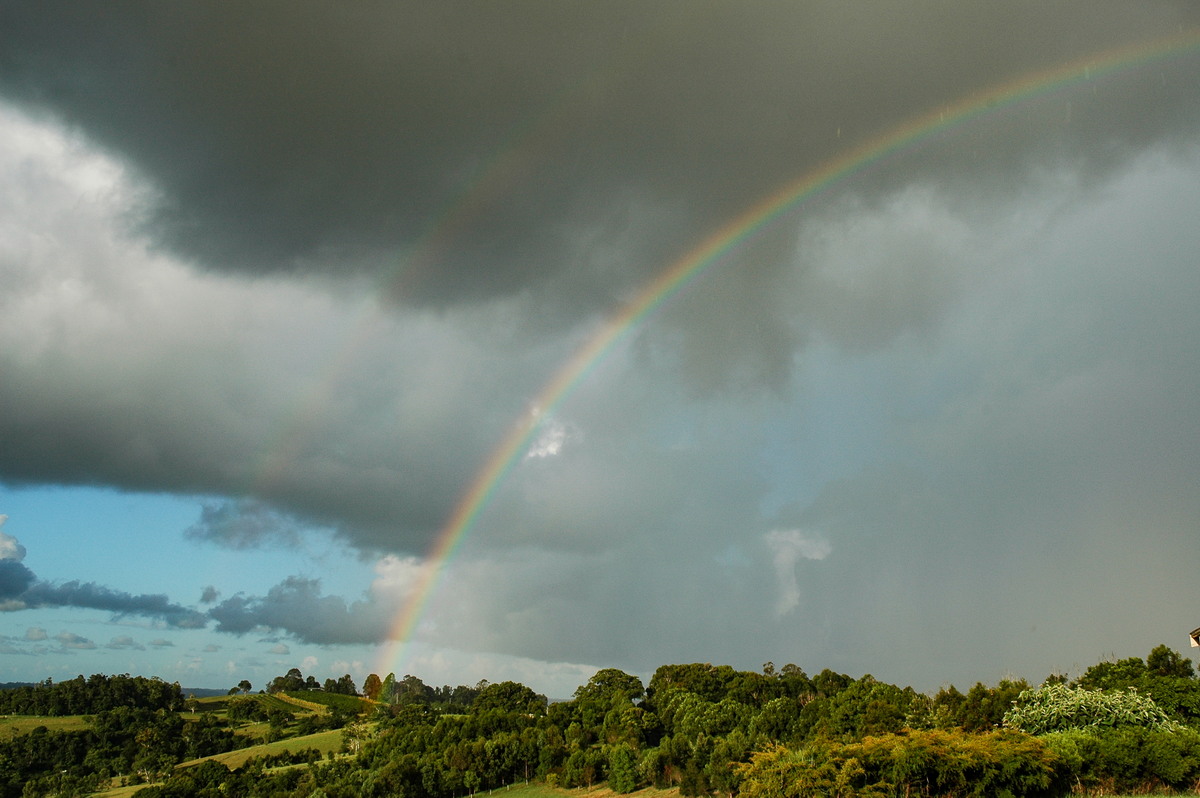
{"points": [[278, 279]]}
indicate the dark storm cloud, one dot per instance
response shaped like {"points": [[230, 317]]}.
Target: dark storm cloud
{"points": [[315, 138], [957, 371], [572, 152]]}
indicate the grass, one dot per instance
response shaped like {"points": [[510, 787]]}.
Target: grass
{"points": [[346, 703], [120, 792], [324, 742], [539, 790], [14, 725]]}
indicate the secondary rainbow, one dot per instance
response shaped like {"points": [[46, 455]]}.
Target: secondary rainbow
{"points": [[710, 250]]}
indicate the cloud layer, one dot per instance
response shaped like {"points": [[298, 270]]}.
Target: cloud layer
{"points": [[311, 267]]}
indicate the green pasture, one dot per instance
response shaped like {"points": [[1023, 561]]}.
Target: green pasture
{"points": [[346, 703], [324, 742], [13, 725], [121, 792], [539, 790]]}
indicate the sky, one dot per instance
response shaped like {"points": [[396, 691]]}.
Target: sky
{"points": [[517, 340]]}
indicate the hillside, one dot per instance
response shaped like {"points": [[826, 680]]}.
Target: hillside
{"points": [[1126, 726]]}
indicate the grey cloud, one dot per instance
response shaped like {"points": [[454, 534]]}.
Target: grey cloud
{"points": [[15, 579], [35, 633], [596, 146], [71, 640], [242, 524], [161, 643], [125, 643], [90, 595], [959, 366], [209, 595], [297, 607], [21, 589], [339, 141]]}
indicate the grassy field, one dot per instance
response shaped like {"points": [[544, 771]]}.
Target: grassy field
{"points": [[121, 792], [13, 725], [536, 790], [324, 742]]}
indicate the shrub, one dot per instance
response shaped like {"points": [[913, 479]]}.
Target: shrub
{"points": [[1129, 759], [912, 763], [1057, 707]]}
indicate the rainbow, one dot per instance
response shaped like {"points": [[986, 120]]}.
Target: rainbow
{"points": [[513, 155], [710, 250]]}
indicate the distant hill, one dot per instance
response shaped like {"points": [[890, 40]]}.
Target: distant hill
{"points": [[15, 685], [203, 692]]}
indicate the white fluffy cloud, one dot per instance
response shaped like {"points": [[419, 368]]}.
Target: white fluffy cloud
{"points": [[10, 547]]}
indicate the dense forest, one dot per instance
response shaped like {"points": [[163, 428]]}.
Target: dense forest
{"points": [[1129, 725]]}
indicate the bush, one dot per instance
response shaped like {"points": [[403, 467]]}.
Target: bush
{"points": [[1129, 759], [912, 763], [1057, 707]]}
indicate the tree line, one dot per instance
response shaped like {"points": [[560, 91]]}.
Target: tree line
{"points": [[97, 693], [1130, 725]]}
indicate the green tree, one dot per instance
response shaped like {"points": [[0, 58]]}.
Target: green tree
{"points": [[345, 686], [387, 691], [1165, 676], [291, 681], [983, 708], [1164, 661], [609, 685], [509, 697], [622, 768]]}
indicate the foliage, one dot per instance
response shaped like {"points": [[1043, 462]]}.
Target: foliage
{"points": [[697, 729], [124, 741], [341, 686], [509, 697], [411, 690], [1129, 759], [609, 685], [981, 709], [245, 708], [98, 693], [622, 769], [291, 681], [867, 707], [1058, 707], [1165, 676], [932, 762], [346, 703]]}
